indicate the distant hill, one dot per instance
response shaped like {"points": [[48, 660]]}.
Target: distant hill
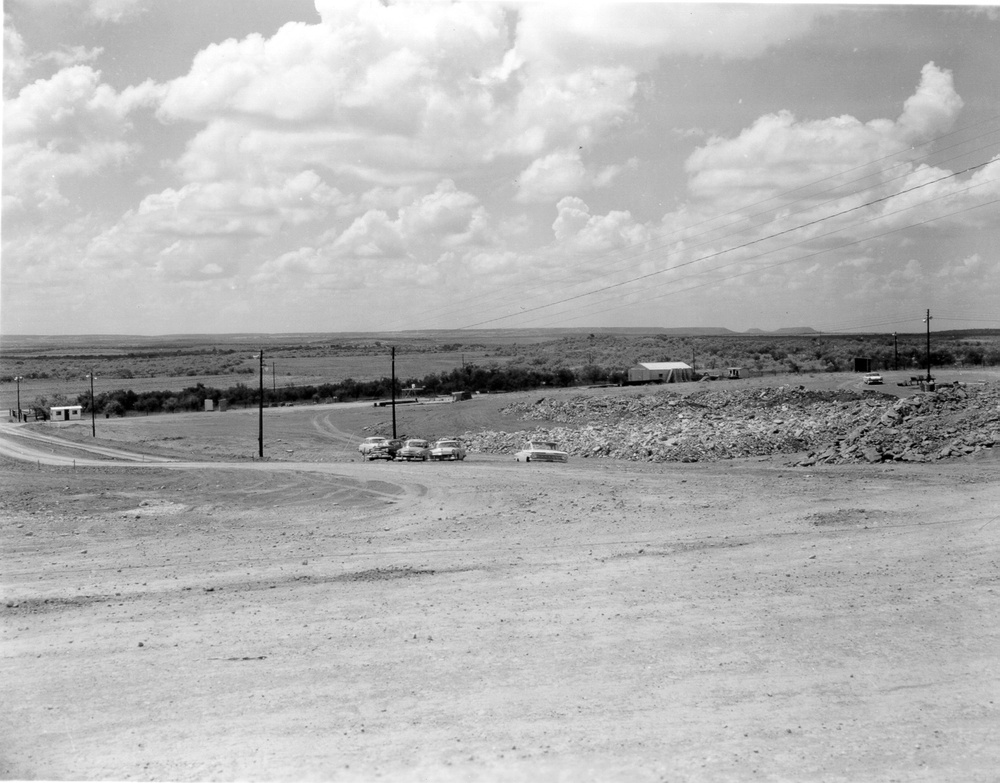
{"points": [[785, 330], [795, 330]]}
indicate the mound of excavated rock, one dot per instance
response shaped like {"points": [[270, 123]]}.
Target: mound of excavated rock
{"points": [[831, 426]]}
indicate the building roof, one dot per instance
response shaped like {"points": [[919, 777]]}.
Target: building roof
{"points": [[665, 365]]}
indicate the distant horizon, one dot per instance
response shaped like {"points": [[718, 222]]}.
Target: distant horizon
{"points": [[331, 166], [377, 334]]}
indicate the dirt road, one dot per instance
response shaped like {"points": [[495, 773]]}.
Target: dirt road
{"points": [[489, 620]]}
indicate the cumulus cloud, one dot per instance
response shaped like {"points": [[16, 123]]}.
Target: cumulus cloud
{"points": [[71, 124], [562, 173], [210, 228], [638, 34], [220, 208], [444, 224], [389, 95], [932, 109], [15, 58], [576, 228], [780, 153], [94, 10], [67, 56]]}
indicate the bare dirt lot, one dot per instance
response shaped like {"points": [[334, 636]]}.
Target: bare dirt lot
{"points": [[316, 617]]}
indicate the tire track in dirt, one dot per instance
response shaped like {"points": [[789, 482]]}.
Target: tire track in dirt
{"points": [[295, 489]]}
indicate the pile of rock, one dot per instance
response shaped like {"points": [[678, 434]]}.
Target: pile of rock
{"points": [[951, 422], [832, 427]]}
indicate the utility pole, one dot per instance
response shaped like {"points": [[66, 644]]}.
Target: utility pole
{"points": [[393, 382], [93, 425], [260, 410], [927, 321], [274, 386], [18, 378], [895, 352]]}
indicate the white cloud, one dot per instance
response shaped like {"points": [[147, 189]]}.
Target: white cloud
{"points": [[17, 62], [931, 111], [445, 224], [780, 153], [68, 125], [93, 10], [15, 58], [638, 34], [72, 55], [579, 231], [562, 173], [389, 95], [210, 227]]}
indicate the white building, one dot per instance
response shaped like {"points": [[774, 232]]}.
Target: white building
{"points": [[66, 412], [660, 372]]}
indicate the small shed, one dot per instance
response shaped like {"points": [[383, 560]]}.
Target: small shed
{"points": [[734, 373], [66, 412], [660, 372]]}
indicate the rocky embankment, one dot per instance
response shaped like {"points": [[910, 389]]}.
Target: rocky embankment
{"points": [[830, 427]]}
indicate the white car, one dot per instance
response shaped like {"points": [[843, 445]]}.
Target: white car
{"points": [[414, 449], [368, 445], [541, 451], [448, 449], [871, 377]]}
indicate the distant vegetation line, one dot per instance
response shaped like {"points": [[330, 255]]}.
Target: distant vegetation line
{"points": [[528, 362], [123, 402]]}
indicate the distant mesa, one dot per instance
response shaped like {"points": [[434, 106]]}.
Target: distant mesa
{"points": [[784, 330]]}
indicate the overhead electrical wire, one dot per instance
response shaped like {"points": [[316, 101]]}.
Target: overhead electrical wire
{"points": [[792, 260], [648, 297], [747, 244], [647, 251], [477, 302]]}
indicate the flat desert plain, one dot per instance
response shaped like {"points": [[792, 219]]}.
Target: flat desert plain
{"points": [[315, 617]]}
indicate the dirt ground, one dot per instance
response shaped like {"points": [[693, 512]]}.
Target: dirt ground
{"points": [[318, 618]]}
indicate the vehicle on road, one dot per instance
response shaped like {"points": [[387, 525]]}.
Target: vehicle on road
{"points": [[415, 449], [378, 447], [541, 451], [871, 378], [448, 449]]}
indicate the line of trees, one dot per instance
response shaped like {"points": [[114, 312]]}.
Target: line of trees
{"points": [[470, 378]]}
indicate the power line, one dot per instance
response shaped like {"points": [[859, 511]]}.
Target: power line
{"points": [[799, 258], [643, 252], [749, 243]]}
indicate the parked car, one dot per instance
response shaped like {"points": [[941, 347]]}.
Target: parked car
{"points": [[448, 449], [414, 449], [872, 377], [369, 444], [541, 451], [378, 447]]}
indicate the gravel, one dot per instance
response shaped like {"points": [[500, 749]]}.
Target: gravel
{"points": [[829, 427]]}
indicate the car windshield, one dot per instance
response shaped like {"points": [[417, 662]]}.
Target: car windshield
{"points": [[374, 440], [447, 444], [544, 445], [420, 444]]}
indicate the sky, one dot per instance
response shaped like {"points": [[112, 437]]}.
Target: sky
{"points": [[223, 166]]}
